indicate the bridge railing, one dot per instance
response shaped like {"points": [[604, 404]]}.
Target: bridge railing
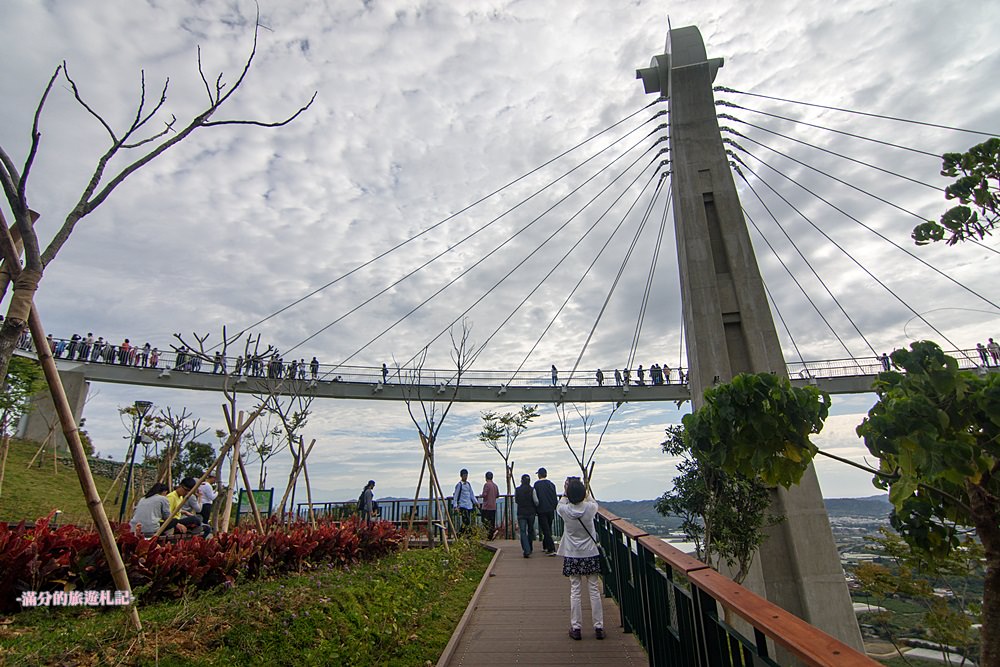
{"points": [[673, 603], [398, 511], [159, 360]]}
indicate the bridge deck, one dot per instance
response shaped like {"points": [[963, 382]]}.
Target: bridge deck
{"points": [[522, 617], [528, 387]]}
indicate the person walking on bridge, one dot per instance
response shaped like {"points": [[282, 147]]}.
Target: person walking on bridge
{"points": [[555, 375], [600, 377], [581, 556], [464, 500], [489, 507], [547, 499], [527, 503]]}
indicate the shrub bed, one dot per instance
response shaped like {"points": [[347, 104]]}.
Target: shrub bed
{"points": [[67, 558]]}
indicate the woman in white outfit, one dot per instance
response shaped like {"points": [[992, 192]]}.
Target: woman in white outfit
{"points": [[581, 557]]}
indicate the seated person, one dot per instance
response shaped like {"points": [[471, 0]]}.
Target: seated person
{"points": [[186, 512], [152, 510]]}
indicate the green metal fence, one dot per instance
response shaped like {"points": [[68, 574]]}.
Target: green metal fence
{"points": [[672, 602]]}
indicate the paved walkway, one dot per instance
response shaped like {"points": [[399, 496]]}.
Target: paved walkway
{"points": [[522, 618]]}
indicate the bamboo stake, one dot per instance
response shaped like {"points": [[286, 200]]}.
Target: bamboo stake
{"points": [[41, 449], [3, 460], [413, 508], [294, 476], [309, 497], [439, 499], [253, 501], [295, 481], [68, 421], [232, 485], [114, 484]]}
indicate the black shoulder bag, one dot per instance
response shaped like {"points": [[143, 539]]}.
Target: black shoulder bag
{"points": [[605, 570]]}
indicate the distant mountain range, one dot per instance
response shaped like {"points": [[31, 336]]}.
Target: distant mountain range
{"points": [[643, 513]]}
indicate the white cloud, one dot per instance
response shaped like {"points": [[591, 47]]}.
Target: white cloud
{"points": [[423, 108]]}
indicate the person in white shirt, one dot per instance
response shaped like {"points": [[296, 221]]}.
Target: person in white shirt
{"points": [[581, 556], [207, 494], [464, 500]]}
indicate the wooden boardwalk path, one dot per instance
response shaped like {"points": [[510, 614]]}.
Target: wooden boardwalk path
{"points": [[521, 617]]}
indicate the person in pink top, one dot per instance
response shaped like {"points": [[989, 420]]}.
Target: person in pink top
{"points": [[489, 507]]}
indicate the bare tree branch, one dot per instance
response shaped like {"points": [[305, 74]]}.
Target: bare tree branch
{"points": [[83, 103], [259, 123]]}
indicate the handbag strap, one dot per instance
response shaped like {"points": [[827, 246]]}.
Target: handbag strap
{"points": [[588, 532]]}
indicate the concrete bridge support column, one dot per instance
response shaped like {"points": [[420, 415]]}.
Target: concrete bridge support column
{"points": [[729, 328], [35, 425]]}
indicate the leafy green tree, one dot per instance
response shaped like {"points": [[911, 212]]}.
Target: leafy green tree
{"points": [[936, 433], [977, 184], [724, 514], [758, 425], [24, 380], [913, 575], [195, 458], [499, 433]]}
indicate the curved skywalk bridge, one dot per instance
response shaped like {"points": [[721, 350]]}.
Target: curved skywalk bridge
{"points": [[836, 376]]}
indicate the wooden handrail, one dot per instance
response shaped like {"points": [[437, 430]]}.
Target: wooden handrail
{"points": [[808, 643]]}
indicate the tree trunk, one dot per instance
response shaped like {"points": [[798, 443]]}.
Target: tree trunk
{"points": [[25, 286], [985, 516], [3, 459]]}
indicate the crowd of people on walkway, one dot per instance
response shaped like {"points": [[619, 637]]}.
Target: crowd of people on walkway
{"points": [[540, 502]]}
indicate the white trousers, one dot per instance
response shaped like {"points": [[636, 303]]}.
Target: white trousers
{"points": [[575, 606]]}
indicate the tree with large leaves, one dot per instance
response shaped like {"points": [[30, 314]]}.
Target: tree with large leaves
{"points": [[936, 433], [977, 189], [724, 514]]}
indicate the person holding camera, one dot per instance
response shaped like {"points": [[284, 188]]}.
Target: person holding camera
{"points": [[581, 555]]}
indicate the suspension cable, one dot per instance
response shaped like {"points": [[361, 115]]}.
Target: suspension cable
{"points": [[859, 113], [804, 293], [456, 214], [481, 229], [846, 253], [566, 256], [649, 277], [873, 231], [774, 304], [492, 252], [809, 264], [611, 292], [733, 105], [727, 116]]}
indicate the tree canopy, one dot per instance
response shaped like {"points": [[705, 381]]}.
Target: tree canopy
{"points": [[758, 425], [976, 187]]}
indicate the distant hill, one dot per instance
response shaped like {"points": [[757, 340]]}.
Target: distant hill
{"points": [[643, 513], [872, 506]]}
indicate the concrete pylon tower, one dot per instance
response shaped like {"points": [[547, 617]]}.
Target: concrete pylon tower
{"points": [[729, 328]]}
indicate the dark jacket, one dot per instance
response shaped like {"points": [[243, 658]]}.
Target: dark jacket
{"points": [[547, 496], [524, 497]]}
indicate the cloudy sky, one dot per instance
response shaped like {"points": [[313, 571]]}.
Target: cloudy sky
{"points": [[424, 108]]}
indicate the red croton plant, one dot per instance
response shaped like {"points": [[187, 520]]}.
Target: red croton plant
{"points": [[43, 558]]}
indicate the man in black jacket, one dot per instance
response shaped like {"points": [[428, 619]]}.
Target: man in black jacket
{"points": [[526, 501], [545, 491]]}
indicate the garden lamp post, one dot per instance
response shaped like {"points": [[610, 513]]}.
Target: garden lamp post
{"points": [[141, 409]]}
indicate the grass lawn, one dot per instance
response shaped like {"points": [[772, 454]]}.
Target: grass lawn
{"points": [[400, 610], [33, 493]]}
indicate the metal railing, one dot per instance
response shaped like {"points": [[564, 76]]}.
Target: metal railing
{"points": [[139, 357], [672, 602], [398, 511]]}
